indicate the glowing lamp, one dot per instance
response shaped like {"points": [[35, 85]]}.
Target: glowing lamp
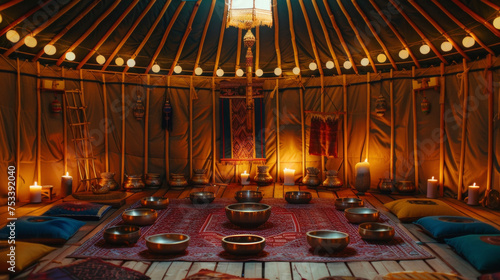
{"points": [[425, 49], [329, 64], [240, 72], [347, 64], [446, 46], [119, 61], [198, 71], [259, 72], [177, 69], [30, 41], [130, 62], [277, 71], [364, 61], [468, 41], [296, 70], [403, 54], [70, 56], [100, 59], [156, 68], [496, 22], [313, 66], [12, 36], [219, 72], [49, 49], [381, 58]]}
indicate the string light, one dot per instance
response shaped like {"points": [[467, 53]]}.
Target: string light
{"points": [[70, 56], [329, 64], [277, 71], [259, 72], [177, 69], [220, 72], [13, 36], [100, 59], [364, 61], [425, 49], [240, 72], [496, 22], [49, 49], [130, 62], [119, 61], [468, 41], [296, 70], [381, 58], [313, 66], [446, 46], [156, 68], [1, 19], [347, 64], [403, 54], [30, 41], [198, 71]]}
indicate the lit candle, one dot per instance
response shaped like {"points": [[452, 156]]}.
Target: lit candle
{"points": [[66, 185], [362, 181], [289, 176], [35, 193], [473, 198], [244, 178], [432, 188]]}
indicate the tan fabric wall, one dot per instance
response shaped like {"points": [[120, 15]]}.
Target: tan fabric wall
{"points": [[290, 134]]}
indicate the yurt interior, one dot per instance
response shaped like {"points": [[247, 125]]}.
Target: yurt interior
{"points": [[259, 139]]}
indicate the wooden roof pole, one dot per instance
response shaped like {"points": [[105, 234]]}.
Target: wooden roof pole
{"points": [[339, 34], [276, 33], [257, 47], [146, 38], [292, 34], [202, 40], [67, 28], [9, 4], [420, 33], [477, 17], [327, 37], [493, 5], [108, 33], [164, 39], [221, 38], [238, 50], [457, 21], [439, 28], [396, 32], [28, 14], [86, 34], [125, 38], [370, 26], [184, 38], [41, 27], [353, 27], [311, 38]]}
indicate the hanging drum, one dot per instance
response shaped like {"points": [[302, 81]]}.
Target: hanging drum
{"points": [[139, 109], [55, 106], [380, 106], [425, 106]]}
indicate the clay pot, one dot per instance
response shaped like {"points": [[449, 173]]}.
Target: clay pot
{"points": [[332, 180], [152, 180], [406, 187], [98, 189], [134, 183], [107, 180], [385, 185], [263, 178], [311, 180], [199, 177], [177, 181]]}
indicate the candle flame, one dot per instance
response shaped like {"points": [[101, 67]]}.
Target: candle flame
{"points": [[67, 173], [245, 172], [474, 184], [35, 183], [366, 159], [432, 177]]}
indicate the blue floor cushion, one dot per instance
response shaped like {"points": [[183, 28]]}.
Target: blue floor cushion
{"points": [[480, 250], [441, 227], [80, 210]]}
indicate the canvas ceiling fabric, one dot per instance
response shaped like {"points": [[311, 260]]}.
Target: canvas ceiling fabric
{"points": [[289, 126]]}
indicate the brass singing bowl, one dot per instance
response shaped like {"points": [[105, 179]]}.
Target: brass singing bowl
{"points": [[348, 202], [155, 202], [139, 216], [167, 243], [358, 215], [298, 197], [123, 234], [201, 197], [243, 244], [248, 215], [327, 240], [376, 231], [248, 196]]}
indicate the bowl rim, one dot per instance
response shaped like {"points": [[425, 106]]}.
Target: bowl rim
{"points": [[156, 198], [343, 200], [203, 193], [309, 234], [263, 239], [385, 226], [298, 193], [249, 191], [148, 211], [165, 233], [350, 209], [136, 229], [267, 207]]}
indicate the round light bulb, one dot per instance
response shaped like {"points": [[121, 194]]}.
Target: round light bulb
{"points": [[30, 41], [70, 56], [1, 18], [296, 70], [347, 64], [100, 59], [425, 49], [364, 61], [329, 64], [49, 49], [446, 46], [177, 69], [468, 41], [156, 68], [313, 66], [403, 54], [240, 72], [130, 62], [13, 36], [259, 72], [381, 58], [220, 72], [119, 61], [198, 71], [277, 71], [496, 22]]}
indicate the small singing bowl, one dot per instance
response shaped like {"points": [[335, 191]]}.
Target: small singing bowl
{"points": [[348, 202], [358, 215], [327, 240], [248, 196], [167, 243], [123, 234], [298, 197], [155, 202], [201, 197], [248, 215], [243, 244], [139, 216], [376, 231]]}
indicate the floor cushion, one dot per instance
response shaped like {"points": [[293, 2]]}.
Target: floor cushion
{"points": [[412, 209], [25, 255], [80, 210], [480, 250], [441, 227], [42, 229]]}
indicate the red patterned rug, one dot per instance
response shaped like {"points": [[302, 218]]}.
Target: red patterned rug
{"points": [[285, 234]]}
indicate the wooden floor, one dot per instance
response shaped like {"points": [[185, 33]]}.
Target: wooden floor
{"points": [[446, 260]]}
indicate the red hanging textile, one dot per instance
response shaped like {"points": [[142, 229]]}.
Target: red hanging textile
{"points": [[323, 135]]}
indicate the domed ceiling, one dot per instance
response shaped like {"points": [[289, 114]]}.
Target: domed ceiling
{"points": [[194, 33]]}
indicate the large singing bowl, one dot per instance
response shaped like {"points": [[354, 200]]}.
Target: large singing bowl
{"points": [[124, 234], [298, 197], [248, 196], [376, 231], [167, 243], [155, 202], [360, 215], [248, 215], [348, 202], [327, 240], [243, 244], [139, 216]]}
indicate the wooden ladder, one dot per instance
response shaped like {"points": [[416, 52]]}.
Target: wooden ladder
{"points": [[77, 120]]}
